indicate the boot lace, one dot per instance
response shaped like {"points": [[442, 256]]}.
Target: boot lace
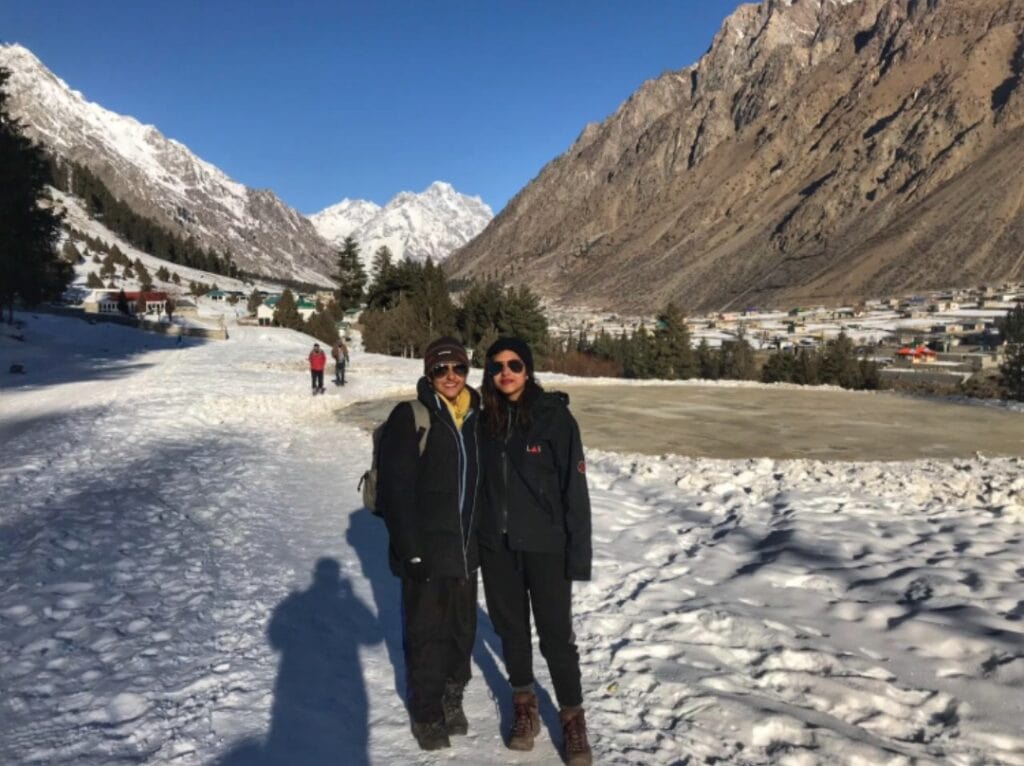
{"points": [[576, 735], [522, 719]]}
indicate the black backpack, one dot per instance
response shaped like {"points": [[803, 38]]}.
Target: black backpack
{"points": [[368, 482]]}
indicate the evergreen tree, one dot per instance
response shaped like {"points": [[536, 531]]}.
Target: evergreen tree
{"points": [[1011, 371], [839, 365], [30, 268], [707, 361], [286, 312], [779, 368], [70, 253], [382, 262], [673, 357], [736, 359], [321, 326], [163, 274], [638, 362], [93, 281], [255, 299], [122, 302], [805, 371], [351, 277], [169, 307]]}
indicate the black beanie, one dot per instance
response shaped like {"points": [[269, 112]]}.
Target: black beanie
{"points": [[444, 350], [516, 345]]}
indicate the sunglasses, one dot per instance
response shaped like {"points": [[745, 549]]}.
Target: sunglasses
{"points": [[514, 365], [440, 370]]}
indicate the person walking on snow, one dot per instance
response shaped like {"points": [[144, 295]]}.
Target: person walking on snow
{"points": [[428, 502], [534, 537], [317, 362], [340, 354]]}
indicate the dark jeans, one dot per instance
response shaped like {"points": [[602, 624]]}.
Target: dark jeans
{"points": [[513, 583], [339, 373], [318, 379], [439, 623]]}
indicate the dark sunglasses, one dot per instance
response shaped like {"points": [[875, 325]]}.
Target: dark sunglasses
{"points": [[440, 370], [515, 365]]}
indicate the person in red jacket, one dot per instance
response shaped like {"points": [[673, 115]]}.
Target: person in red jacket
{"points": [[317, 362]]}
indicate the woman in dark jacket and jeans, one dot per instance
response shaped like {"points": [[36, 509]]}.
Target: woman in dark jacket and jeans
{"points": [[534, 537], [428, 502]]}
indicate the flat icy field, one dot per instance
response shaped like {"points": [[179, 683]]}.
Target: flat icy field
{"points": [[163, 510]]}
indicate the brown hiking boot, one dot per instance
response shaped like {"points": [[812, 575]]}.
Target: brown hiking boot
{"points": [[525, 721], [574, 732], [451, 704]]}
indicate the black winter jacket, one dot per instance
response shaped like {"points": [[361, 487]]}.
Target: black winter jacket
{"points": [[535, 486], [429, 501]]}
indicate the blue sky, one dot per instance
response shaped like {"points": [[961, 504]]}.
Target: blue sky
{"points": [[324, 100]]}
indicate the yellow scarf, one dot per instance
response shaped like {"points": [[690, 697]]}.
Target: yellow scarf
{"points": [[460, 407]]}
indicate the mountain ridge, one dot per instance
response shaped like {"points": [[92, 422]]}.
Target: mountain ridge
{"points": [[819, 151], [432, 223], [162, 179]]}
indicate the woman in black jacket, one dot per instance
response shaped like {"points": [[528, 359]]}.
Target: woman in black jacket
{"points": [[534, 537], [428, 502]]}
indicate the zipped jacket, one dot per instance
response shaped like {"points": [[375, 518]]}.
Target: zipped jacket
{"points": [[535, 486], [317, 361], [429, 501]]}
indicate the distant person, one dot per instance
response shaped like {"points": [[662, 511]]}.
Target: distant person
{"points": [[428, 502], [340, 354], [317, 362], [534, 537]]}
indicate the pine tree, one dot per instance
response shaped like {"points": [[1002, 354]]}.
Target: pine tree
{"points": [[255, 299], [30, 268], [286, 312], [707, 361], [1011, 371], [93, 281], [779, 368], [321, 326], [351, 277], [839, 365], [736, 359], [122, 303], [673, 357]]}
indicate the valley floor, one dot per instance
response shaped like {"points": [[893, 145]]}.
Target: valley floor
{"points": [[164, 507]]}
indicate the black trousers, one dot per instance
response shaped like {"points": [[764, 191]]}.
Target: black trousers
{"points": [[515, 582], [439, 625], [317, 377]]}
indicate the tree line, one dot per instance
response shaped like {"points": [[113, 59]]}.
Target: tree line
{"points": [[31, 270], [139, 231]]}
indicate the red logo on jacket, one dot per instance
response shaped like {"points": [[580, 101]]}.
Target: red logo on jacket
{"points": [[533, 449], [581, 467]]}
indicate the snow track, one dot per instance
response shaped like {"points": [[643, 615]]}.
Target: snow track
{"points": [[187, 577]]}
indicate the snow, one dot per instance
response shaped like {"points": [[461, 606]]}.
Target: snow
{"points": [[433, 223], [169, 515]]}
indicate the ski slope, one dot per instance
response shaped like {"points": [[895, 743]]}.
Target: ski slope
{"points": [[187, 577]]}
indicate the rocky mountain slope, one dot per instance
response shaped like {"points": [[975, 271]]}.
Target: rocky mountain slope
{"points": [[431, 224], [161, 179], [822, 150]]}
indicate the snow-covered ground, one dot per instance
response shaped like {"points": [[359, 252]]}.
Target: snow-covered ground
{"points": [[187, 577]]}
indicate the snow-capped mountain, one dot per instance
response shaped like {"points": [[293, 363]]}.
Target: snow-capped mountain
{"points": [[432, 224], [161, 179]]}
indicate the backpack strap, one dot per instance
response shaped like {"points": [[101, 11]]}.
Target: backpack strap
{"points": [[421, 416]]}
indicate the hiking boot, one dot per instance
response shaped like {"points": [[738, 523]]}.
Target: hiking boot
{"points": [[431, 736], [451, 704], [525, 721], [574, 734]]}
